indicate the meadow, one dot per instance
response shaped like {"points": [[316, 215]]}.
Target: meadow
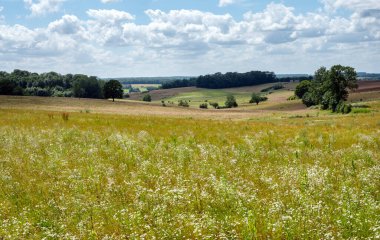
{"points": [[104, 174]]}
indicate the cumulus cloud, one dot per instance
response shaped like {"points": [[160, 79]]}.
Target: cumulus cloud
{"points": [[109, 16], [42, 7], [356, 5], [223, 3], [200, 40], [109, 1]]}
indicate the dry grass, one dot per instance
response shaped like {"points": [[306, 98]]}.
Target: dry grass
{"points": [[112, 176], [126, 107]]}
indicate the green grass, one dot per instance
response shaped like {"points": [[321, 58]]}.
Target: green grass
{"points": [[97, 176], [211, 95]]}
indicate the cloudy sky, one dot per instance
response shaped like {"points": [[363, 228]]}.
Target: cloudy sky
{"points": [[120, 38]]}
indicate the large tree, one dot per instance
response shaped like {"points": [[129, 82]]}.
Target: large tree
{"points": [[113, 89], [329, 88]]}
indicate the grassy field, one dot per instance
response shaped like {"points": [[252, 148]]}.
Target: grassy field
{"points": [[143, 87], [195, 96], [277, 99], [104, 171]]}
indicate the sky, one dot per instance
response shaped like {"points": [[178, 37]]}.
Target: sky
{"points": [[130, 38]]}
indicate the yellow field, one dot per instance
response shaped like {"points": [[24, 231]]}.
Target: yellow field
{"points": [[130, 107], [129, 170]]}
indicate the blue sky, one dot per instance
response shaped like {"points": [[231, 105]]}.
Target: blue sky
{"points": [[114, 38]]}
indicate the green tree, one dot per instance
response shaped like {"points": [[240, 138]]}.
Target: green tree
{"points": [[330, 87], [302, 88], [6, 86], [231, 102], [86, 87], [113, 89], [147, 98], [255, 98]]}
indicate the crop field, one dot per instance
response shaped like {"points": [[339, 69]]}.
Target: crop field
{"points": [[101, 174]]}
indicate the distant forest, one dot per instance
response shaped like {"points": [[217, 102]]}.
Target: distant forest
{"points": [[148, 80], [232, 79], [21, 82]]}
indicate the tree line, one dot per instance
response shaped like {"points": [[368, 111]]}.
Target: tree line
{"points": [[227, 80], [20, 82]]}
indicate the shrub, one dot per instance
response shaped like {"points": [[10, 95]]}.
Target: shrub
{"points": [[203, 105], [147, 98], [183, 103], [256, 98], [343, 108], [302, 88], [214, 104], [291, 98], [231, 102]]}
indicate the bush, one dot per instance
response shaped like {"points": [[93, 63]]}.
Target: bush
{"points": [[255, 98], [214, 104], [183, 103], [343, 108], [203, 105], [291, 98], [231, 102], [302, 88], [147, 98], [309, 99]]}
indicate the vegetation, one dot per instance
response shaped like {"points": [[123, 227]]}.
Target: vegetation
{"points": [[99, 176], [274, 87], [147, 98], [50, 84], [330, 88], [302, 88], [149, 80], [113, 89], [203, 105], [214, 104], [256, 98], [233, 79], [179, 83], [231, 102], [183, 103]]}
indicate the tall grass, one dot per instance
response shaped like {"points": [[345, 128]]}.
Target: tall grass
{"points": [[120, 177]]}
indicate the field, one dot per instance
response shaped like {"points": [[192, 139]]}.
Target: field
{"points": [[143, 87], [200, 95], [93, 169]]}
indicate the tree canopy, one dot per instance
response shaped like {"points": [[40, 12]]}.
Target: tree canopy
{"points": [[20, 82], [329, 88], [231, 102], [113, 89], [256, 98]]}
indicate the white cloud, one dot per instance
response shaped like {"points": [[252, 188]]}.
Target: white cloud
{"points": [[109, 1], [110, 16], [41, 7], [68, 24], [223, 3], [355, 5], [191, 42]]}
